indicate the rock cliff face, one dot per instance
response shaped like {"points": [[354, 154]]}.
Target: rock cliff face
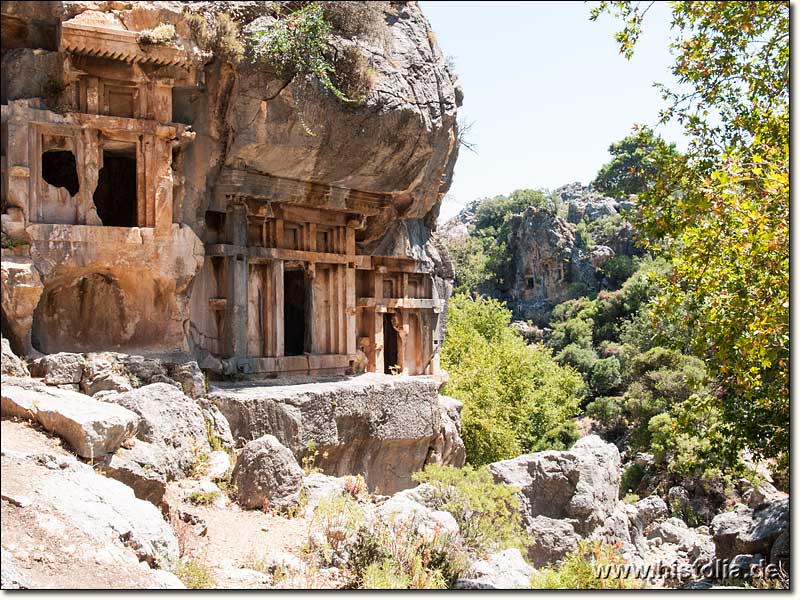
{"points": [[225, 122]]}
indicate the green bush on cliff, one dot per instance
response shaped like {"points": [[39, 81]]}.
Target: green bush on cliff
{"points": [[513, 393]]}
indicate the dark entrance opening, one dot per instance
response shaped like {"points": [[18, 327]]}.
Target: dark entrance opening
{"points": [[59, 170], [294, 312], [389, 344], [115, 197]]}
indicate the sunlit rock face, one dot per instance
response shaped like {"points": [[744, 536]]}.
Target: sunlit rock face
{"points": [[158, 197]]}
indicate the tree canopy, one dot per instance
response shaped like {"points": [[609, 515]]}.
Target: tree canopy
{"points": [[721, 210]]}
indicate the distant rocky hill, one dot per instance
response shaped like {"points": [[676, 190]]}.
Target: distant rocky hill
{"points": [[557, 253]]}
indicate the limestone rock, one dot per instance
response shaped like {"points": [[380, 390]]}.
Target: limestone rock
{"points": [[626, 526], [92, 428], [499, 571], [171, 422], [448, 447], [58, 369], [317, 487], [552, 540], [747, 531], [651, 510], [21, 289], [267, 474], [219, 463], [403, 508], [143, 468], [218, 423], [11, 363], [100, 516], [581, 483], [674, 531], [100, 375], [379, 426]]}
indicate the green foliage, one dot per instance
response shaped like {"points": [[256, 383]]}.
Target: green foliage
{"points": [[487, 513], [526, 395], [471, 264], [618, 270], [560, 437], [203, 498], [580, 358], [605, 376], [722, 209], [631, 478], [297, 44], [576, 331], [392, 554], [635, 164], [583, 237], [195, 575], [583, 570], [677, 445], [607, 410]]}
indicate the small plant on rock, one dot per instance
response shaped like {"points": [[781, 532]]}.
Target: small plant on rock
{"points": [[593, 566], [202, 498], [195, 575]]}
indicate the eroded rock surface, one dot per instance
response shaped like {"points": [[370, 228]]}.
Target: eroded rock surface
{"points": [[267, 475], [66, 526], [380, 426], [94, 429]]}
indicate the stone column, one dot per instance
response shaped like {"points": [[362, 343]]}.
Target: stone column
{"points": [[236, 306]]}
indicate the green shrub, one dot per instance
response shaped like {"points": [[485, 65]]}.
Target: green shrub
{"points": [[607, 410], [297, 44], [583, 570], [487, 513], [631, 479], [560, 437], [195, 575], [577, 331], [605, 376], [513, 393], [619, 269], [581, 359], [470, 263], [203, 498], [392, 554]]}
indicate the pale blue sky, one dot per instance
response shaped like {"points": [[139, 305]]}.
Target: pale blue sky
{"points": [[547, 90]]}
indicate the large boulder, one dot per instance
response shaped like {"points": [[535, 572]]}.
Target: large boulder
{"points": [[652, 510], [70, 527], [171, 439], [581, 484], [552, 539], [101, 375], [267, 475], [381, 426], [405, 508], [169, 420], [94, 429], [11, 364], [506, 570], [748, 531]]}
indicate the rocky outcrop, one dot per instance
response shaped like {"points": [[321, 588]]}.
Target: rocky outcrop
{"points": [[11, 364], [564, 495], [581, 483], [170, 440], [21, 290], [63, 368], [506, 570], [94, 429], [448, 447], [383, 427], [267, 475], [748, 531], [65, 526]]}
